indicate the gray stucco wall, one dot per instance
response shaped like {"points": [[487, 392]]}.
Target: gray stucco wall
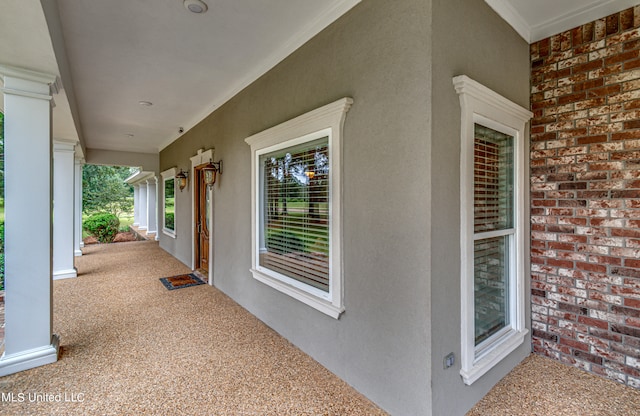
{"points": [[468, 39], [378, 54]]}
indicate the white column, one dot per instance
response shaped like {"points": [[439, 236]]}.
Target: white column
{"points": [[77, 208], [136, 205], [144, 216], [63, 209], [152, 209], [29, 341]]}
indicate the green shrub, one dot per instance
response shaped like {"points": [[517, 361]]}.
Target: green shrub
{"points": [[103, 226], [1, 237]]}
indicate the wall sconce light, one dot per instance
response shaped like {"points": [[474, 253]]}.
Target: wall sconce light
{"points": [[182, 178], [210, 172]]}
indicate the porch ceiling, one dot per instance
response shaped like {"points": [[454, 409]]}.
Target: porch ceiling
{"points": [[121, 52], [110, 55]]}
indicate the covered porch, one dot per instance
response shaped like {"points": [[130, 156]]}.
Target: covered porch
{"points": [[130, 346]]}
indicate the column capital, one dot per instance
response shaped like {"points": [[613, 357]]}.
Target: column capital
{"points": [[27, 83], [27, 74], [61, 145]]}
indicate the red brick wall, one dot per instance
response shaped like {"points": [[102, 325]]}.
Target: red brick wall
{"points": [[585, 196]]}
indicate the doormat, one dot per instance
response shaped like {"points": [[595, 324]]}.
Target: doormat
{"points": [[180, 281]]}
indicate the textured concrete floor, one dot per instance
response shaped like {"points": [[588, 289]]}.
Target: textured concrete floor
{"points": [[541, 386], [129, 346]]}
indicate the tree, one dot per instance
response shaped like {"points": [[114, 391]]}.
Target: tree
{"points": [[104, 190]]}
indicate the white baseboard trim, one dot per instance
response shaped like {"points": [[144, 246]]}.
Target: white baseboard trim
{"points": [[25, 360]]}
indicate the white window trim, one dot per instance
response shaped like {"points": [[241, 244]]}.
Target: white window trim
{"points": [[483, 106], [321, 122], [168, 175]]}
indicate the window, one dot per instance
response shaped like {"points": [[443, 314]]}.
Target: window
{"points": [[295, 212], [169, 202], [492, 227], [296, 193]]}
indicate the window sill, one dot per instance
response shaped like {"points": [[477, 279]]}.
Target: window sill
{"points": [[168, 232], [507, 345], [303, 296]]}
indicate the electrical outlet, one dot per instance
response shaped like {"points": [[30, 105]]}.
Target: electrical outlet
{"points": [[449, 360]]}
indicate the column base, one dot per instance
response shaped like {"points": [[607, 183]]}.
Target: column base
{"points": [[65, 274], [81, 244], [25, 360], [77, 253]]}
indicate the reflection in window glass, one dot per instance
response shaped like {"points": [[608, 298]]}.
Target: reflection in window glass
{"points": [[169, 204], [295, 208], [493, 227]]}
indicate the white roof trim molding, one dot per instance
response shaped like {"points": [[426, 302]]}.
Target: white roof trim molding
{"points": [[138, 177], [575, 18], [511, 16], [563, 20]]}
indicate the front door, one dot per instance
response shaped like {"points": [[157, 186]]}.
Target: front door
{"points": [[202, 223]]}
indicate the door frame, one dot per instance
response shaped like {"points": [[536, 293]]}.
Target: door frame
{"points": [[197, 203], [202, 157]]}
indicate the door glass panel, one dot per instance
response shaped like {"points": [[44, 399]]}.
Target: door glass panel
{"points": [[207, 209]]}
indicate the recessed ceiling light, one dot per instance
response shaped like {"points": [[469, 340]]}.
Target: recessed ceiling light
{"points": [[195, 6], [145, 103]]}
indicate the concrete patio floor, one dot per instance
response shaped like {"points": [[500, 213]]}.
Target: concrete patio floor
{"points": [[132, 347], [129, 346]]}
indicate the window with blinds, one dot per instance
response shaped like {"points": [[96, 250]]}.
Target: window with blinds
{"points": [[493, 300], [493, 220], [295, 212]]}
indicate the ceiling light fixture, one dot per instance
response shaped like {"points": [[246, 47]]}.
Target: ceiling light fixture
{"points": [[195, 6], [145, 103]]}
